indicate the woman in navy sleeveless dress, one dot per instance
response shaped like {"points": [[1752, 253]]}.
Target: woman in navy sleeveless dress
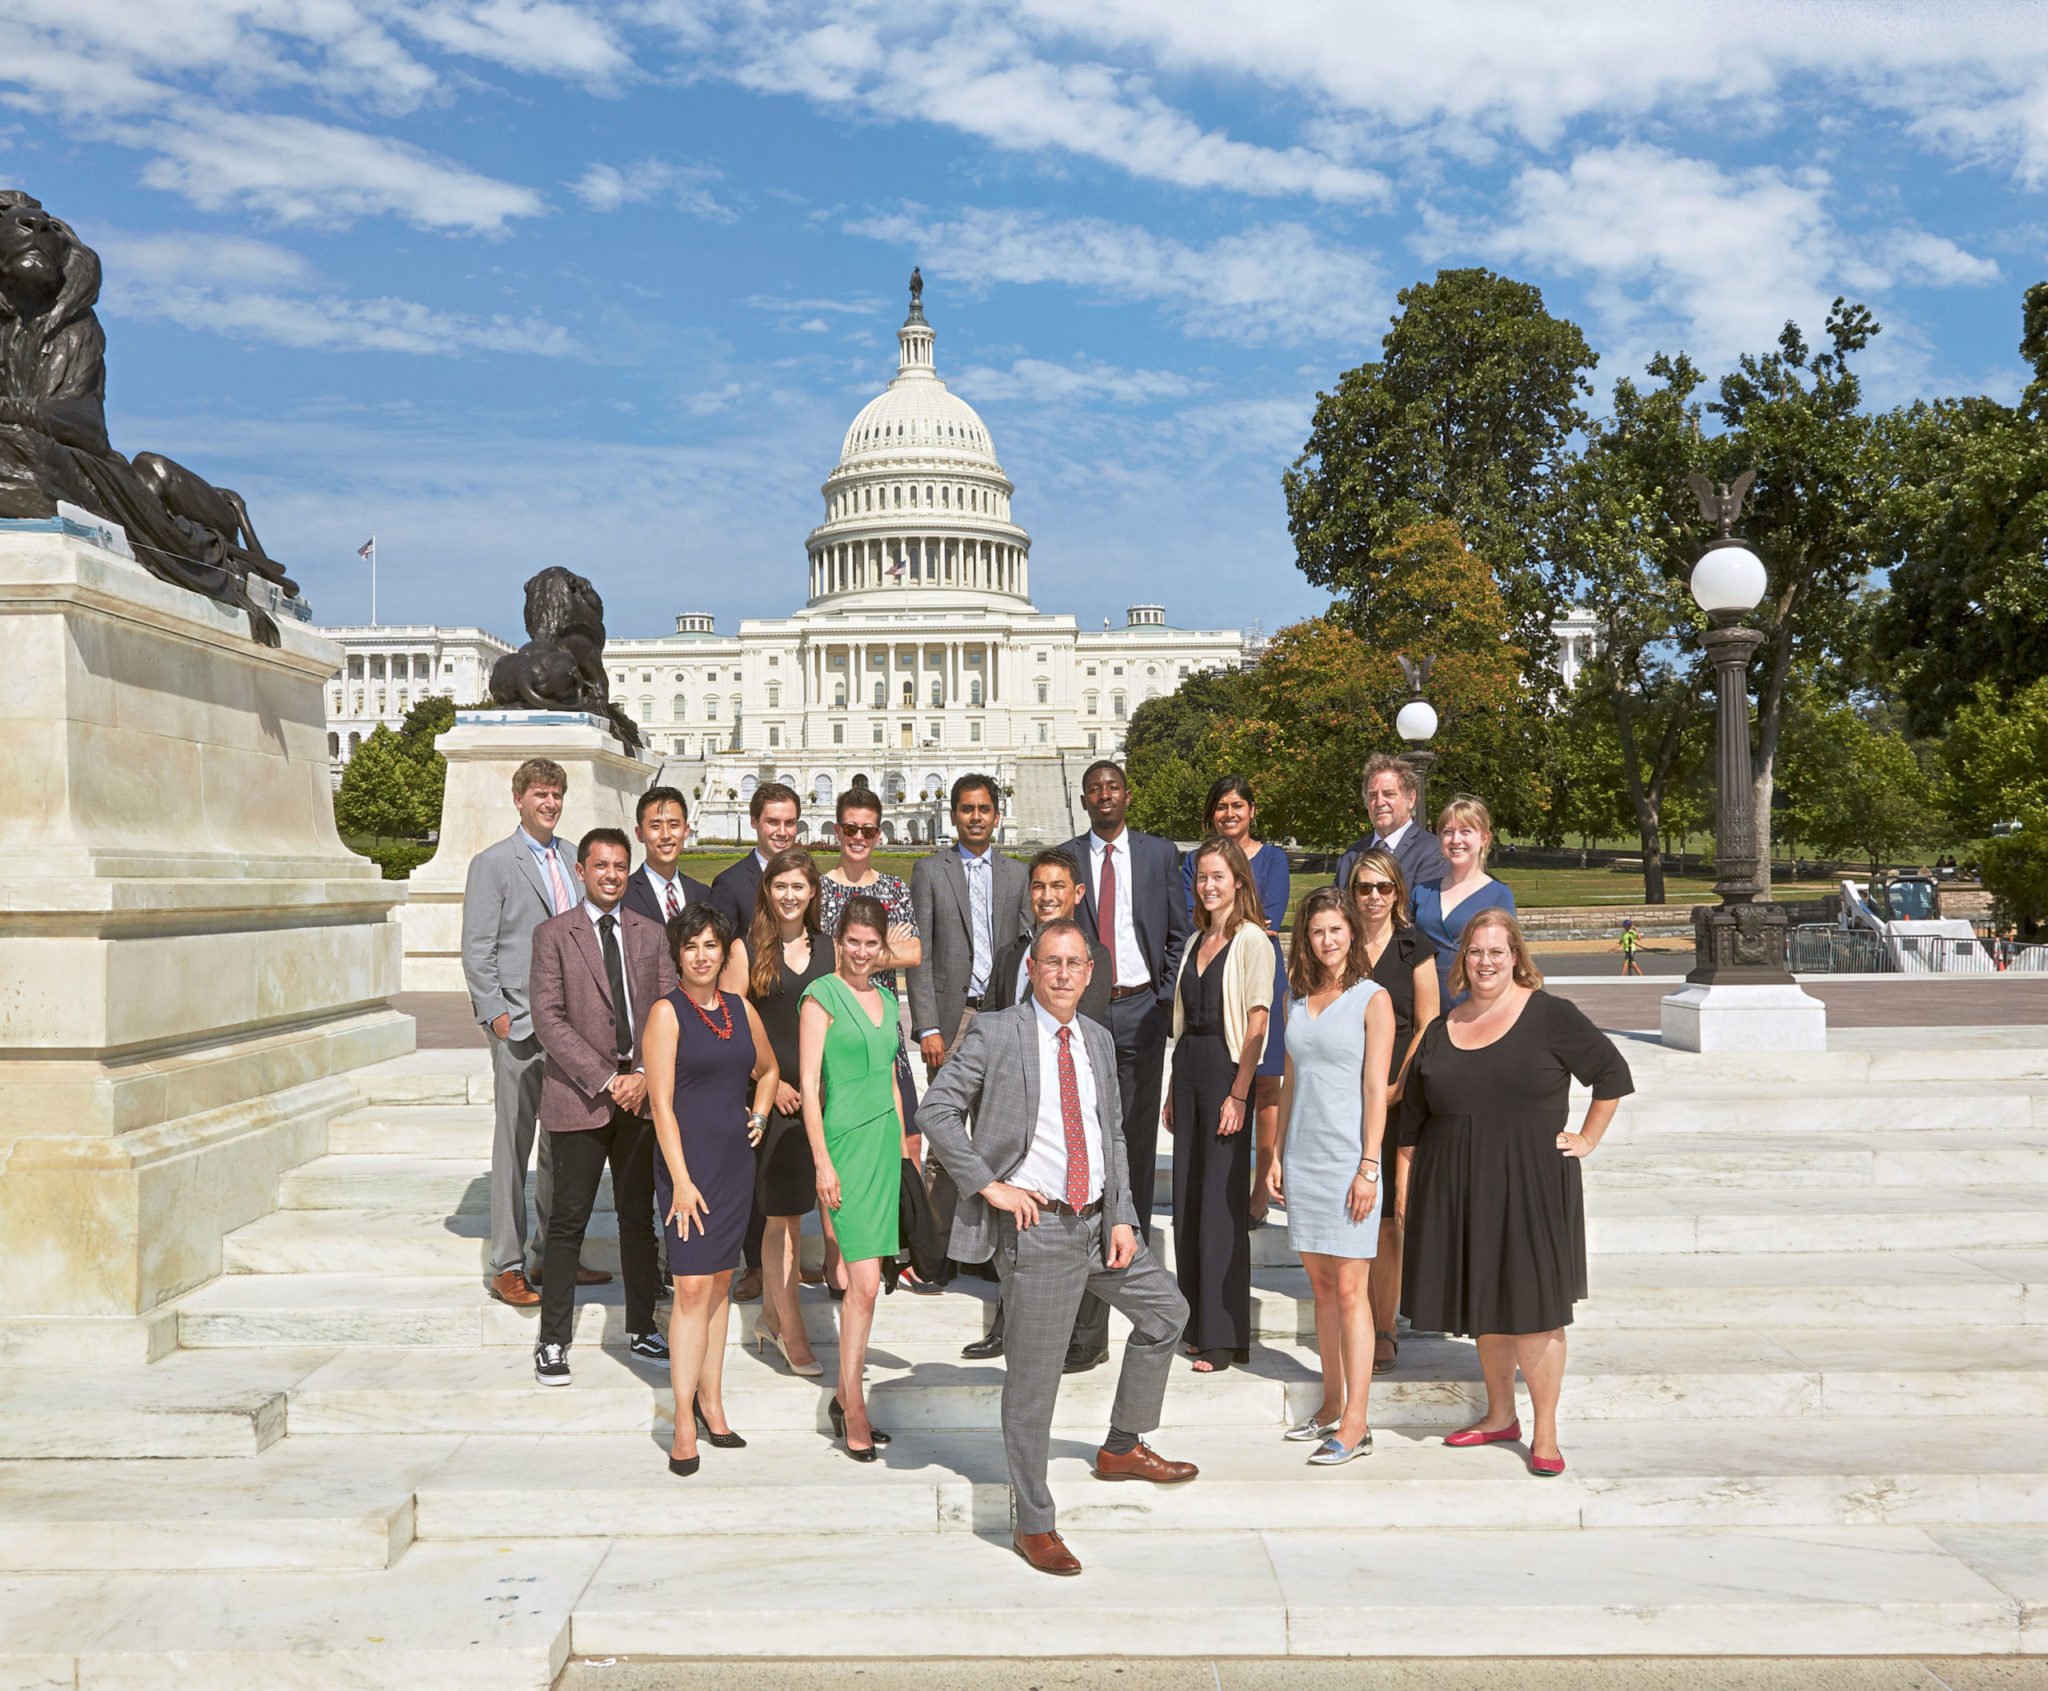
{"points": [[705, 1049]]}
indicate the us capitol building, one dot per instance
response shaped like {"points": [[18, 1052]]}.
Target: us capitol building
{"points": [[918, 654]]}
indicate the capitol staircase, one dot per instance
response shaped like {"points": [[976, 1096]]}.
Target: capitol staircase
{"points": [[1806, 1414]]}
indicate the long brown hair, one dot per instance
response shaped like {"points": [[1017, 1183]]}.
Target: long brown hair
{"points": [[764, 934], [1525, 972], [1304, 967], [1245, 907]]}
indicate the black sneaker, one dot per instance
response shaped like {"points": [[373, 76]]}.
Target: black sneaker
{"points": [[551, 1365], [650, 1345]]}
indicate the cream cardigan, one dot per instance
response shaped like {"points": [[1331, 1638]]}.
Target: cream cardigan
{"points": [[1247, 985]]}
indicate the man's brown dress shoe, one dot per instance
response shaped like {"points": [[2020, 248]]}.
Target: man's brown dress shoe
{"points": [[592, 1276], [1047, 1552], [1144, 1463], [747, 1287], [511, 1287]]}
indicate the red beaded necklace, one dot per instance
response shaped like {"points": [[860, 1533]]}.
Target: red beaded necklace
{"points": [[704, 1016]]}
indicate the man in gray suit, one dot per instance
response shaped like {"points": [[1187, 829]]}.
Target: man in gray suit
{"points": [[969, 902], [513, 887], [1390, 792], [1045, 1189]]}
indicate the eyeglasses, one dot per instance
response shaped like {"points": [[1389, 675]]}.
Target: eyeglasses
{"points": [[860, 831], [1380, 889]]}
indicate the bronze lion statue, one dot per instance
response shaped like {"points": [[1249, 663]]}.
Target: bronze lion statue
{"points": [[561, 666]]}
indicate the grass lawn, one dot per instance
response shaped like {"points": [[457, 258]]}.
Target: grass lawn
{"points": [[1534, 889]]}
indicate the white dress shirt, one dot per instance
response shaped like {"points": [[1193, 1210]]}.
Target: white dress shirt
{"points": [[1131, 967], [661, 888], [1392, 842], [618, 914], [1044, 1168]]}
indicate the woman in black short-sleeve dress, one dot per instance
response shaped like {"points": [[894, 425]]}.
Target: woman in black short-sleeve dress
{"points": [[1496, 1235]]}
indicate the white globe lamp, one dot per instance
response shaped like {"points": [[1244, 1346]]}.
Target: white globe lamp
{"points": [[1416, 722], [1729, 581]]}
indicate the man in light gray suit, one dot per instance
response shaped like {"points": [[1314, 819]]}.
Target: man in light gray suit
{"points": [[969, 900], [513, 887], [1045, 1189]]}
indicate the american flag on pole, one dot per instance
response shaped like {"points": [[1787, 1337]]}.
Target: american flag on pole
{"points": [[896, 569], [368, 549]]}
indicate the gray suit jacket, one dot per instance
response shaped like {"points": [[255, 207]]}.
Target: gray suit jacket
{"points": [[992, 1079], [1419, 854], [505, 898], [938, 894]]}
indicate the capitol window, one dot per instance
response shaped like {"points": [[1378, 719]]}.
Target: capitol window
{"points": [[774, 735], [1116, 669], [1116, 706], [679, 707], [839, 696], [938, 694], [838, 739], [974, 691], [1044, 732], [774, 697], [1091, 703], [711, 709], [878, 733], [974, 733], [1044, 692]]}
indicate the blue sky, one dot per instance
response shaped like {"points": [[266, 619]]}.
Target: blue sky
{"points": [[523, 282]]}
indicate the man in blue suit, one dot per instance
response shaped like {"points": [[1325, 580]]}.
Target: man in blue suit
{"points": [[1390, 790], [1133, 903]]}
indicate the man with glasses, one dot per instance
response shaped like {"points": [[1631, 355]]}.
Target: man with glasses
{"points": [[1390, 792]]}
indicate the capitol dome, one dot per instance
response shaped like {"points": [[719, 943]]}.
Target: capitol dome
{"points": [[918, 505]]}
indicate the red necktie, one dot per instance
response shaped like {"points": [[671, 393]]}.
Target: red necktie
{"points": [[674, 909], [1105, 903], [1070, 1119]]}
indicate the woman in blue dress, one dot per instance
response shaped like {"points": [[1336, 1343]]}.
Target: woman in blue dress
{"points": [[1230, 813], [704, 1049], [1445, 908], [1333, 1120]]}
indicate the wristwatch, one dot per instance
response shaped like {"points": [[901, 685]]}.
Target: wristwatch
{"points": [[1371, 1174]]}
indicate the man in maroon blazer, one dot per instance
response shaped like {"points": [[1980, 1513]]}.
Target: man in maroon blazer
{"points": [[597, 970]]}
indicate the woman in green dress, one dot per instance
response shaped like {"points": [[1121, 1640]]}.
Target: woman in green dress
{"points": [[853, 1114]]}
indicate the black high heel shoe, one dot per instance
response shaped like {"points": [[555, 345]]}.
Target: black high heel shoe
{"points": [[876, 1437], [683, 1466], [722, 1441]]}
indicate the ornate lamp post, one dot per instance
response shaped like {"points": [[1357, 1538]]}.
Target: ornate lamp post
{"points": [[1739, 994], [1416, 723]]}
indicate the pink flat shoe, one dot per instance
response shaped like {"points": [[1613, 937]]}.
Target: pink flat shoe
{"points": [[1472, 1436], [1546, 1467]]}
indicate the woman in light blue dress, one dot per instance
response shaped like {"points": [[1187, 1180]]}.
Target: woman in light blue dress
{"points": [[1333, 1117], [1444, 909]]}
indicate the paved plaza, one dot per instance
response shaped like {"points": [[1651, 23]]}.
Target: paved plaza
{"points": [[1806, 1412]]}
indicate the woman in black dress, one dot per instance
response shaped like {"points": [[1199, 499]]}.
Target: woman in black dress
{"points": [[781, 954], [703, 1049], [1496, 1244], [1403, 962]]}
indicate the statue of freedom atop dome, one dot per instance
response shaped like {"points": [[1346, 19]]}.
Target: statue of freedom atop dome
{"points": [[53, 425]]}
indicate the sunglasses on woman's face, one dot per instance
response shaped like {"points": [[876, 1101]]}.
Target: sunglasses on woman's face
{"points": [[1380, 889], [860, 831]]}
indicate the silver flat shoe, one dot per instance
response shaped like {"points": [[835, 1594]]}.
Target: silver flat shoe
{"points": [[1310, 1431], [1333, 1453]]}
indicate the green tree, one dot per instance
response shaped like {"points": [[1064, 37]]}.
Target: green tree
{"points": [[1995, 759], [432, 717], [1962, 531], [381, 789], [2016, 870], [1853, 786], [1171, 741], [1467, 416]]}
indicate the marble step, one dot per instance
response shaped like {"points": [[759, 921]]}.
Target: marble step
{"points": [[1644, 1591], [1841, 1379], [1720, 1219], [413, 1130], [1623, 1474], [1983, 1288], [1773, 1161], [454, 1617], [328, 1503], [189, 1404], [422, 1185]]}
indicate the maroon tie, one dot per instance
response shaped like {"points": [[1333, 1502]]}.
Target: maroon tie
{"points": [[1105, 903], [674, 909], [1070, 1118]]}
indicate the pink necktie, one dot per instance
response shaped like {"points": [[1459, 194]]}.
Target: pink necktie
{"points": [[1070, 1119], [557, 881], [1105, 902]]}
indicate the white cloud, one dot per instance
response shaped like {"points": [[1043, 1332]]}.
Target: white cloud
{"points": [[606, 187], [254, 290], [1039, 381], [815, 326], [540, 37], [1276, 282], [300, 171]]}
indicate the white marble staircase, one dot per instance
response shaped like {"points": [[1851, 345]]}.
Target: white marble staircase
{"points": [[1806, 1413]]}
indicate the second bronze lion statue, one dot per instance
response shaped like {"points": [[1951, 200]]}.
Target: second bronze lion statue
{"points": [[561, 666]]}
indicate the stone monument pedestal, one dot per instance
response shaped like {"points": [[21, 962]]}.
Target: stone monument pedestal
{"points": [[192, 957], [482, 749], [1722, 1017]]}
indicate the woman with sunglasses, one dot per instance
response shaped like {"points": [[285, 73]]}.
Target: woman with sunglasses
{"points": [[1403, 962], [855, 876], [1230, 814]]}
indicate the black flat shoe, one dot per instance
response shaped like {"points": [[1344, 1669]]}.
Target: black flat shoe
{"points": [[722, 1441], [984, 1350], [683, 1466], [1080, 1361], [875, 1433]]}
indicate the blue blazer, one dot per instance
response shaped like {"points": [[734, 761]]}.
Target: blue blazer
{"points": [[1158, 906]]}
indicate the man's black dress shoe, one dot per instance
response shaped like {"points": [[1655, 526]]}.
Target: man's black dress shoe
{"points": [[1080, 1361], [984, 1350]]}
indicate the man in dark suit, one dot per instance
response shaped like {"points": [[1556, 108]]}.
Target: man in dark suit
{"points": [[597, 971], [1055, 895], [775, 810], [1132, 901], [1390, 792], [659, 889]]}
